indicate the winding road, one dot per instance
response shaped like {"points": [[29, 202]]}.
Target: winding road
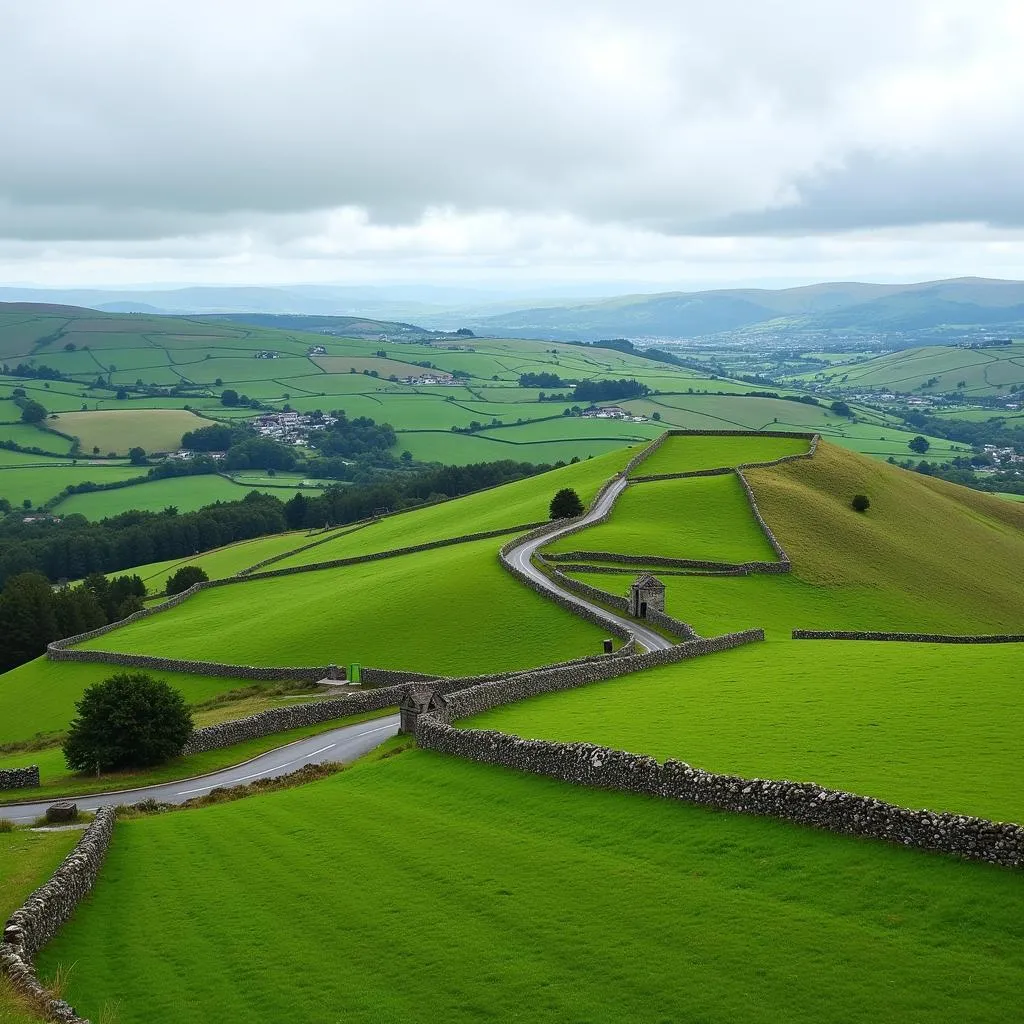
{"points": [[348, 742], [343, 744], [520, 558]]}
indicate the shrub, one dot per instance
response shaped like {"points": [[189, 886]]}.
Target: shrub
{"points": [[6, 825], [127, 721], [919, 444], [566, 504], [860, 503], [33, 412], [185, 577]]}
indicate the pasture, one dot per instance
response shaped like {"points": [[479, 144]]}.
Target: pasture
{"points": [[452, 610], [39, 483], [922, 540], [186, 493], [921, 725], [700, 517], [154, 430], [556, 903], [689, 454]]}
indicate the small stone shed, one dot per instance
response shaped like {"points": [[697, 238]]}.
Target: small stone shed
{"points": [[419, 699], [647, 593]]}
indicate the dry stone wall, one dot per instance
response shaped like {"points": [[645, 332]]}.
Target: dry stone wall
{"points": [[914, 638], [41, 916], [805, 803], [644, 561], [294, 716], [483, 697], [19, 778]]}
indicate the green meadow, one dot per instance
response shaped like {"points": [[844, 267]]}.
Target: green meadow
{"points": [[921, 725], [688, 454], [554, 903], [184, 493], [39, 483], [700, 517], [515, 504], [27, 859], [451, 610], [121, 429]]}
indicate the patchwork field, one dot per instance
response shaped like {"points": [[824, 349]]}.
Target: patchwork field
{"points": [[452, 610], [701, 517], [154, 430], [541, 888], [689, 454], [921, 725], [39, 483]]}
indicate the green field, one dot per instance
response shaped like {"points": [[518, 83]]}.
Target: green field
{"points": [[922, 541], [40, 483], [514, 504], [700, 517], [185, 493], [454, 891], [39, 697], [688, 454], [27, 859], [921, 725], [29, 436], [154, 430], [452, 610]]}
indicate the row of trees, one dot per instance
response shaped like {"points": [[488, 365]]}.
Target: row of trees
{"points": [[33, 613]]}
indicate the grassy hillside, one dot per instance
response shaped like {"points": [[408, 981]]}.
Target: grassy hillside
{"points": [[552, 903], [451, 610], [688, 454], [922, 725], [922, 540], [39, 697], [701, 517]]}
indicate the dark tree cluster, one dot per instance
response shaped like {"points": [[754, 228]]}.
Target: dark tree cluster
{"points": [[608, 390], [358, 438], [218, 438], [260, 453], [33, 613], [540, 380], [74, 548]]}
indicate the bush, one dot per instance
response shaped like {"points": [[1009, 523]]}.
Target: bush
{"points": [[919, 444], [185, 577], [860, 503], [566, 504], [33, 412], [127, 721]]}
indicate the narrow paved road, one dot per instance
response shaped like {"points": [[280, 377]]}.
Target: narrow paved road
{"points": [[520, 557], [350, 741], [343, 744]]}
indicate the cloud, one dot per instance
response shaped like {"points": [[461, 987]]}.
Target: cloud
{"points": [[318, 130]]}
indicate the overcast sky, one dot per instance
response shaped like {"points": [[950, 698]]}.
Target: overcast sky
{"points": [[677, 143]]}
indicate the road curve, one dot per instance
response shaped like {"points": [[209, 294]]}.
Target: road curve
{"points": [[342, 744], [519, 557]]}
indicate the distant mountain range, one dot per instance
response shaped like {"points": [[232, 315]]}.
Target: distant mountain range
{"points": [[932, 310]]}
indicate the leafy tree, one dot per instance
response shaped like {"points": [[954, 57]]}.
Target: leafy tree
{"points": [[609, 390], [260, 453], [655, 415], [185, 577], [840, 408], [860, 503], [218, 438], [127, 721], [919, 444], [539, 380], [137, 456], [229, 397], [566, 504], [32, 412], [122, 394]]}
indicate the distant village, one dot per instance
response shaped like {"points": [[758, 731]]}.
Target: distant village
{"points": [[613, 412], [291, 427]]}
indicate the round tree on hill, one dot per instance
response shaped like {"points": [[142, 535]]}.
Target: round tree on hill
{"points": [[566, 504], [919, 444], [185, 577], [127, 721], [860, 503]]}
